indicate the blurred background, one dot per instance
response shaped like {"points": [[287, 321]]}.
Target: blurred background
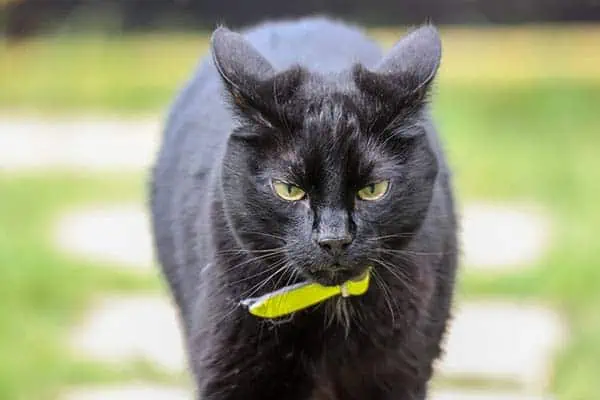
{"points": [[84, 87]]}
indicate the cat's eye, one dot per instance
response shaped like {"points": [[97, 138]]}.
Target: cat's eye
{"points": [[287, 191], [374, 191]]}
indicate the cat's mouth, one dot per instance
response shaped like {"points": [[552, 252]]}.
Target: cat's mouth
{"points": [[335, 275]]}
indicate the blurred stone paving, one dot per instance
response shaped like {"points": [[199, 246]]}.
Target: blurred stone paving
{"points": [[128, 392], [491, 341], [132, 328], [88, 143]]}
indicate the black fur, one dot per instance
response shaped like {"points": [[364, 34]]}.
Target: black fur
{"points": [[311, 102]]}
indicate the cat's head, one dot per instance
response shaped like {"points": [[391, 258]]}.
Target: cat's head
{"points": [[323, 171]]}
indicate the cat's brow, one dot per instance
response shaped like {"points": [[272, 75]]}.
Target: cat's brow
{"points": [[334, 111], [289, 158]]}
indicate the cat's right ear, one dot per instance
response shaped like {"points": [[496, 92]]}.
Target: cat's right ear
{"points": [[240, 65], [255, 88], [242, 69]]}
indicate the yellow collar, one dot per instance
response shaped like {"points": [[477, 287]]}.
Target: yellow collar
{"points": [[300, 296]]}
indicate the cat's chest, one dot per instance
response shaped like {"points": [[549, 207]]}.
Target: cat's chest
{"points": [[347, 381], [351, 373]]}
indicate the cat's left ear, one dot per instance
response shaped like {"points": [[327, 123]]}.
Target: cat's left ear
{"points": [[405, 74], [255, 88]]}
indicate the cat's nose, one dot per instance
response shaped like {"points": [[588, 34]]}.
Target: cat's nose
{"points": [[335, 244], [333, 230]]}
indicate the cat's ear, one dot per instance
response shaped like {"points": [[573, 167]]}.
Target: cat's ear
{"points": [[255, 88], [238, 62], [414, 61], [404, 76]]}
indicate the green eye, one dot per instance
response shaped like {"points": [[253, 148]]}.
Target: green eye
{"points": [[288, 191], [374, 191]]}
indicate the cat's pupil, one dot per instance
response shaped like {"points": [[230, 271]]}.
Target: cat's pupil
{"points": [[372, 188]]}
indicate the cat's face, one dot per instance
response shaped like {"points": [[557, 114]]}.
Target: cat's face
{"points": [[324, 174], [329, 193]]}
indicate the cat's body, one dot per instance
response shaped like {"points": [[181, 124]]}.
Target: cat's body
{"points": [[216, 219]]}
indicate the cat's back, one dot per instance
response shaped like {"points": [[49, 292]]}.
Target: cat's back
{"points": [[321, 44]]}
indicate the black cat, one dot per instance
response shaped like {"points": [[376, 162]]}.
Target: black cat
{"points": [[298, 153]]}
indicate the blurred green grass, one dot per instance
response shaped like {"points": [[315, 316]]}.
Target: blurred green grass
{"points": [[139, 73], [517, 110]]}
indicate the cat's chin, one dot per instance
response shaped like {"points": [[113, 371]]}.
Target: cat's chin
{"points": [[334, 276]]}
